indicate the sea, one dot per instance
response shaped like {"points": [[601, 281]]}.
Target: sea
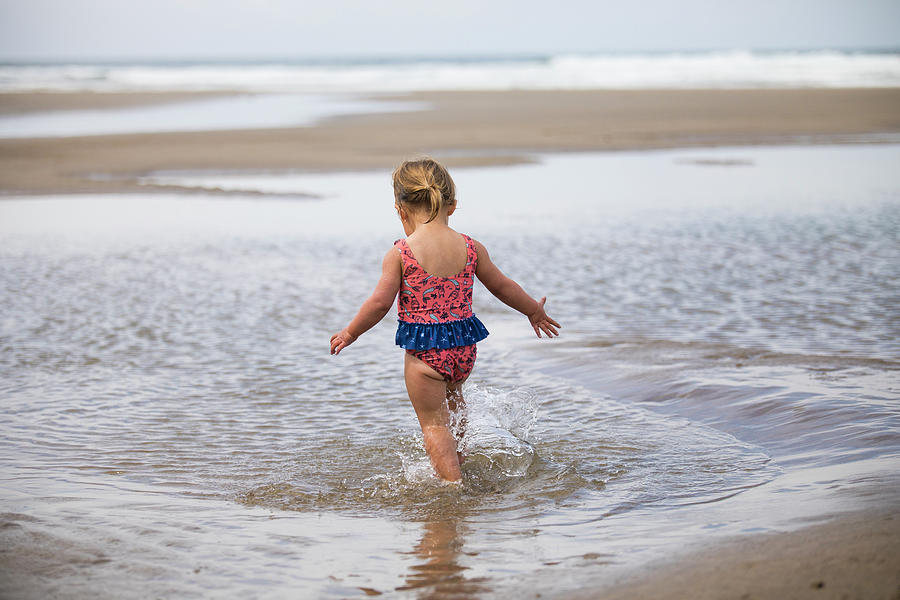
{"points": [[173, 424], [734, 68]]}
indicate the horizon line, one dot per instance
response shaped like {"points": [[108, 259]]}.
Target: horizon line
{"points": [[374, 58]]}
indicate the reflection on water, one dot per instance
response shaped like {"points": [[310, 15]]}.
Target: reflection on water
{"points": [[171, 415], [439, 575]]}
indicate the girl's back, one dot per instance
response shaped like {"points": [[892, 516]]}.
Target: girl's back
{"points": [[440, 251]]}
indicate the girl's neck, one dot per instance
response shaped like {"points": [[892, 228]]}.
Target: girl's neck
{"points": [[419, 224]]}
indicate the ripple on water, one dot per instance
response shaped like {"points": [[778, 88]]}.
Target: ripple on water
{"points": [[189, 363], [613, 459]]}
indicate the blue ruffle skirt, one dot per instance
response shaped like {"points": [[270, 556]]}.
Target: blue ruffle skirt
{"points": [[425, 336]]}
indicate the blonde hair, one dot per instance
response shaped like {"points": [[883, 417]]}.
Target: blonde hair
{"points": [[424, 184]]}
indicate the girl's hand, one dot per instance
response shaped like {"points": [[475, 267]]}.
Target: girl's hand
{"points": [[341, 340], [541, 322]]}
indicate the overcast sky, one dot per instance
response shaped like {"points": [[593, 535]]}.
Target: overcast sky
{"points": [[122, 29]]}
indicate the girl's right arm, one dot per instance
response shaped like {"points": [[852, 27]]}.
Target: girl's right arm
{"points": [[511, 293], [376, 306]]}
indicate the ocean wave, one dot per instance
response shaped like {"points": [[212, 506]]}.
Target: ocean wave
{"points": [[723, 69]]}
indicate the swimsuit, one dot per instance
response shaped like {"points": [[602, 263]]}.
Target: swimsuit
{"points": [[436, 322]]}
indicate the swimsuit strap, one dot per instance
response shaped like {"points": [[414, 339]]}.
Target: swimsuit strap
{"points": [[406, 255], [471, 255]]}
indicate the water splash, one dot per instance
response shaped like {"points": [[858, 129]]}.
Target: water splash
{"points": [[493, 430]]}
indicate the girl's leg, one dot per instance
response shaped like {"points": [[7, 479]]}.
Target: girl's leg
{"points": [[428, 394]]}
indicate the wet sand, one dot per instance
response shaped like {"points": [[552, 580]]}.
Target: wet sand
{"points": [[853, 556], [462, 128], [14, 103]]}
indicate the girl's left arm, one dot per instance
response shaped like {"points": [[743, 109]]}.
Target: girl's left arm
{"points": [[377, 305], [512, 294]]}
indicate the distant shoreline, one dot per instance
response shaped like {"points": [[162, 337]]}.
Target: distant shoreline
{"points": [[464, 128]]}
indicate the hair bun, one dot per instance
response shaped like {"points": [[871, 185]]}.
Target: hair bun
{"points": [[424, 183]]}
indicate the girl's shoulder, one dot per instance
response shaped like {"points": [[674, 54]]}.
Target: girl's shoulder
{"points": [[401, 247], [478, 246], [401, 254], [471, 244], [392, 256]]}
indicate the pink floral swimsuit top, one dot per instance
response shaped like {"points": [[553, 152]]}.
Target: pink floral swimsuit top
{"points": [[433, 311]]}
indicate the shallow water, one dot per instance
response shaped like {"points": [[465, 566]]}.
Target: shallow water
{"points": [[227, 112], [728, 364]]}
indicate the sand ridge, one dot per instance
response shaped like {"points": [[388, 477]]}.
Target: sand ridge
{"points": [[462, 128]]}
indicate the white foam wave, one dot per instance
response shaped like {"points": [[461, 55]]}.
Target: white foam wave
{"points": [[732, 69]]}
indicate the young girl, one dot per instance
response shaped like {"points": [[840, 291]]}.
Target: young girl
{"points": [[433, 269]]}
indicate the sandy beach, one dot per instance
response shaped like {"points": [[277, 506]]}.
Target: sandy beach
{"points": [[462, 128], [854, 555]]}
